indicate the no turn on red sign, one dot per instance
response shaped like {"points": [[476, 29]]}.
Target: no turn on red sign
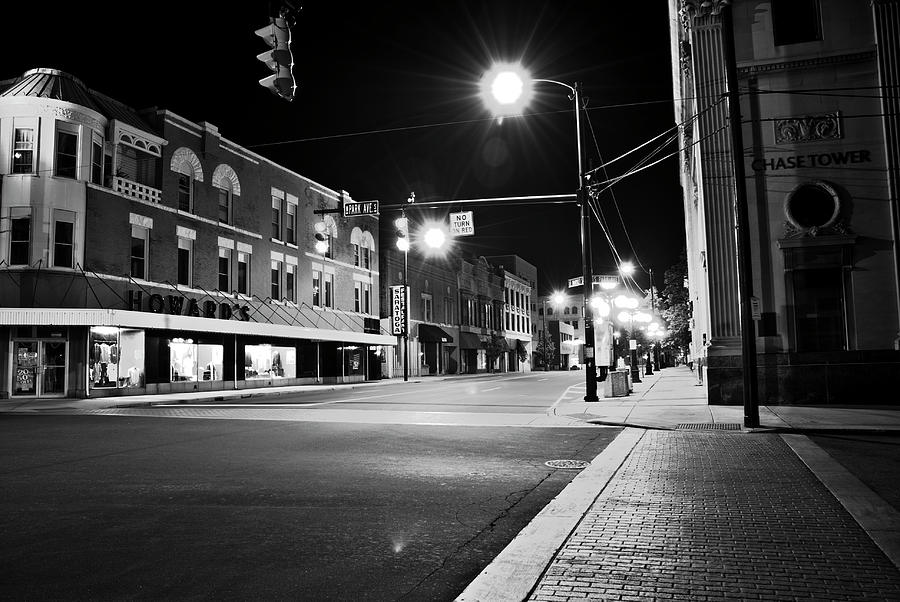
{"points": [[462, 224]]}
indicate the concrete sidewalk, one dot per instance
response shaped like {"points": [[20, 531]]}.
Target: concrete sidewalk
{"points": [[693, 506], [672, 398]]}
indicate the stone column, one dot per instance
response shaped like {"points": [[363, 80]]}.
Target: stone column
{"points": [[717, 188]]}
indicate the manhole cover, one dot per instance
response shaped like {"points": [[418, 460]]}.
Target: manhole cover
{"points": [[710, 426], [571, 464]]}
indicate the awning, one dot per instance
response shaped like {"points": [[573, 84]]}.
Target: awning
{"points": [[520, 346], [469, 340], [429, 333], [504, 345]]}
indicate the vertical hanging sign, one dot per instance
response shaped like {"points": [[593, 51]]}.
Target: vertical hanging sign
{"points": [[398, 310]]}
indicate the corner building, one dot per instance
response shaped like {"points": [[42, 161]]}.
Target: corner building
{"points": [[143, 253], [819, 89]]}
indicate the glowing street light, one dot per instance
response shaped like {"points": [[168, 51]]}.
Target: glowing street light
{"points": [[506, 89]]}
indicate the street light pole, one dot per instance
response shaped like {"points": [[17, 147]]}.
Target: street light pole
{"points": [[590, 360]]}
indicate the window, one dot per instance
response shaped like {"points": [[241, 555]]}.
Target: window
{"points": [[367, 298], [290, 224], [796, 21], [290, 283], [63, 238], [317, 288], [224, 206], [139, 244], [448, 311], [23, 151], [357, 296], [367, 257], [243, 273], [362, 297], [185, 262], [427, 314], [185, 192], [97, 163], [575, 324], [276, 280], [66, 154], [329, 290], [357, 259], [276, 218], [224, 269], [20, 240]]}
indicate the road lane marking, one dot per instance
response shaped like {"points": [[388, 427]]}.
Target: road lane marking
{"points": [[486, 390]]}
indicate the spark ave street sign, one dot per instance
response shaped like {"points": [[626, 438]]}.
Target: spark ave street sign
{"points": [[364, 208]]}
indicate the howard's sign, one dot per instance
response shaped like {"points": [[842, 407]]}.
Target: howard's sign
{"points": [[182, 306], [832, 159]]}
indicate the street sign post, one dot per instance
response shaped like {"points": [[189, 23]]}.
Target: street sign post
{"points": [[595, 279], [462, 224], [351, 209]]}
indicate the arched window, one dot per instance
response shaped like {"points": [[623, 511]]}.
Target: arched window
{"points": [[363, 244], [566, 310], [186, 164], [226, 182]]}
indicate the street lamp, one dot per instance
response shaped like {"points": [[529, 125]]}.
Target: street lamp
{"points": [[629, 305], [506, 89], [402, 226]]}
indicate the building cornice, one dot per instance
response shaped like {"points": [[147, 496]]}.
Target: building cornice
{"points": [[747, 70]]}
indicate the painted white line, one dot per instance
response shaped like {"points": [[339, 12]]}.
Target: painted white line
{"points": [[493, 389], [565, 394], [514, 572]]}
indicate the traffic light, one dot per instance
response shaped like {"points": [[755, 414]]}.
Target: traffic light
{"points": [[402, 226], [321, 238], [279, 59]]}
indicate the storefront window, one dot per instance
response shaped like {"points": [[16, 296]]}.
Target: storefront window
{"points": [[268, 361], [182, 360], [190, 361], [353, 360], [117, 357], [209, 360]]}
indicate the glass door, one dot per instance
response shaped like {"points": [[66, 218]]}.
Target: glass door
{"points": [[26, 368], [40, 368], [53, 366]]}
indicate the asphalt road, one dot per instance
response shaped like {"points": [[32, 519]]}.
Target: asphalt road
{"points": [[118, 507]]}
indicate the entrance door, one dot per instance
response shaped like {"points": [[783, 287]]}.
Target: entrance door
{"points": [[53, 365], [26, 368], [40, 368]]}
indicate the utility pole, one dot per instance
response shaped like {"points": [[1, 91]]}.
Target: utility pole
{"points": [[745, 263]]}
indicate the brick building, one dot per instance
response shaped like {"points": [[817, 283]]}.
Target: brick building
{"points": [[141, 252]]}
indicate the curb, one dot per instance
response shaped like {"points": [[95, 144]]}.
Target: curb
{"points": [[513, 574]]}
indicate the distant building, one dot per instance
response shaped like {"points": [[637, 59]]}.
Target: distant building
{"points": [[466, 314], [518, 290], [820, 113], [141, 252]]}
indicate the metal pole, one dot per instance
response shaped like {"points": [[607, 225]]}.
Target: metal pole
{"points": [[635, 367], [742, 222], [544, 334], [405, 316], [590, 371]]}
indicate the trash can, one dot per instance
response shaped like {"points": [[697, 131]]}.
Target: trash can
{"points": [[616, 384]]}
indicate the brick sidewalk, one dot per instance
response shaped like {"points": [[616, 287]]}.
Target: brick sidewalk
{"points": [[716, 516]]}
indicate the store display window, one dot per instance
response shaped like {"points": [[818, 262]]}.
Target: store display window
{"points": [[269, 361], [190, 361], [353, 360], [117, 357]]}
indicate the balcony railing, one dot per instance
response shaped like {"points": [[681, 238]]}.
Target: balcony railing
{"points": [[135, 190]]}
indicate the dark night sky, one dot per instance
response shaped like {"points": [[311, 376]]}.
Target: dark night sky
{"points": [[387, 103]]}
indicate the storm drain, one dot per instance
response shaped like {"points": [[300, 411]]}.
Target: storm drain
{"points": [[709, 426], [568, 464]]}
